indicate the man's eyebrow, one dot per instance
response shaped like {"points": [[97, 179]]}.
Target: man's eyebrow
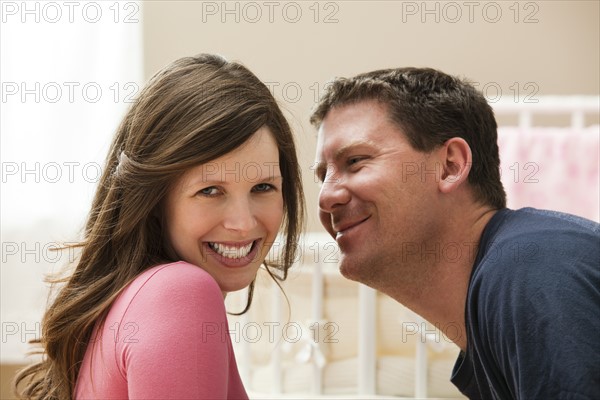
{"points": [[340, 153]]}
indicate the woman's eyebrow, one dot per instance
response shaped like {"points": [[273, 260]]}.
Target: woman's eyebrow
{"points": [[210, 180]]}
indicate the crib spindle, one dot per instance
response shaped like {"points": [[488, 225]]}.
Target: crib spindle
{"points": [[317, 314], [246, 355], [578, 120], [277, 371], [525, 120], [367, 336]]}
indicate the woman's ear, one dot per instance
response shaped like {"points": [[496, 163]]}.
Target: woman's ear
{"points": [[456, 164]]}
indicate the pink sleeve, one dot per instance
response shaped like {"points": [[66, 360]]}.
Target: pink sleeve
{"points": [[173, 338]]}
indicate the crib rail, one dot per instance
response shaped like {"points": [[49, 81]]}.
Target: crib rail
{"points": [[576, 106]]}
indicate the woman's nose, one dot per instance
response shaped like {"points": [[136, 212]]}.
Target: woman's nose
{"points": [[239, 216]]}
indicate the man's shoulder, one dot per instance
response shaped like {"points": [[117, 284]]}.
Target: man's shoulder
{"points": [[532, 221], [529, 240], [534, 284], [539, 220], [531, 254]]}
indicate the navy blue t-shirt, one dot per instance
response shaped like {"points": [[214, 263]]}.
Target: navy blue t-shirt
{"points": [[533, 309]]}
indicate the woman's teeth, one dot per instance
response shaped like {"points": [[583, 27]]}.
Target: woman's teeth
{"points": [[231, 251]]}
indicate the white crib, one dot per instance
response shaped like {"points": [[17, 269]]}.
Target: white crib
{"points": [[319, 272]]}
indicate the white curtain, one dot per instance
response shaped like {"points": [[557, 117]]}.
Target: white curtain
{"points": [[68, 73]]}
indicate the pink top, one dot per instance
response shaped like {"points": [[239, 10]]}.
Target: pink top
{"points": [[165, 337]]}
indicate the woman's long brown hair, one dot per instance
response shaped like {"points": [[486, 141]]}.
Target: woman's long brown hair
{"points": [[193, 111]]}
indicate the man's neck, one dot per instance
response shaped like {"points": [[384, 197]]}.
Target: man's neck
{"points": [[439, 294]]}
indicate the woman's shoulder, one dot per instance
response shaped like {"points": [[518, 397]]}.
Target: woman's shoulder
{"points": [[177, 282], [160, 310], [179, 273]]}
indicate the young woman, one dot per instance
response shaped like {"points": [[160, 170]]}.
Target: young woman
{"points": [[201, 176]]}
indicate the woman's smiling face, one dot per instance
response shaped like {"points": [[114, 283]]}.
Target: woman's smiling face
{"points": [[223, 216]]}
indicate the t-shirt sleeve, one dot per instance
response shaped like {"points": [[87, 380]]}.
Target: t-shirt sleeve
{"points": [[172, 341], [539, 317]]}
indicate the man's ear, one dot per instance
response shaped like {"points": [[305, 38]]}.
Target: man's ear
{"points": [[456, 164]]}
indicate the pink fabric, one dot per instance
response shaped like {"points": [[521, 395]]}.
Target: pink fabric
{"points": [[552, 168], [165, 337]]}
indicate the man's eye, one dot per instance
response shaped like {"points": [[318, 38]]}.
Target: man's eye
{"points": [[354, 160], [321, 174]]}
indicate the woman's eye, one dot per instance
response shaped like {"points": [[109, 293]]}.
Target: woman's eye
{"points": [[263, 187], [209, 191]]}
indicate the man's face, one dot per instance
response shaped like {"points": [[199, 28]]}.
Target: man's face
{"points": [[379, 196]]}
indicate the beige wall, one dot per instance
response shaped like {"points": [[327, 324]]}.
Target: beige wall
{"points": [[7, 372], [555, 52]]}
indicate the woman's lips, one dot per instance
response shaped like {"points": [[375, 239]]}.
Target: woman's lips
{"points": [[227, 248]]}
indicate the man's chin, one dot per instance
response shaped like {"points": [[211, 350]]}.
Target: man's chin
{"points": [[357, 270], [350, 270]]}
